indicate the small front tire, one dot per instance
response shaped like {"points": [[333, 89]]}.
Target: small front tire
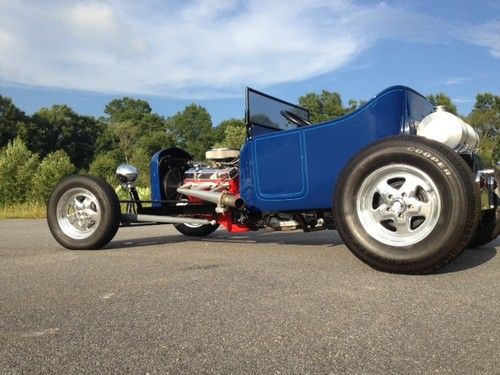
{"points": [[83, 212]]}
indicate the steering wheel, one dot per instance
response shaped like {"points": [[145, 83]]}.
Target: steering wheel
{"points": [[294, 118]]}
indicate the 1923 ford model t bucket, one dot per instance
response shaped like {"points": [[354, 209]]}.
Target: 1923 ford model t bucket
{"points": [[399, 180]]}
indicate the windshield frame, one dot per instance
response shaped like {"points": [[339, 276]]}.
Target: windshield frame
{"points": [[271, 112]]}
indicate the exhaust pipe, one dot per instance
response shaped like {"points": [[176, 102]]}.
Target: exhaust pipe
{"points": [[133, 218], [223, 199]]}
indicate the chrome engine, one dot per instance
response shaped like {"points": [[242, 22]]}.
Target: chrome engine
{"points": [[216, 177], [217, 183], [209, 178]]}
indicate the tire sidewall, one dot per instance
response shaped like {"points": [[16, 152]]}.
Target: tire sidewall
{"points": [[452, 192], [109, 207]]}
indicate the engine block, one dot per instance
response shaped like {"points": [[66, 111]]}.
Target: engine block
{"points": [[208, 178]]}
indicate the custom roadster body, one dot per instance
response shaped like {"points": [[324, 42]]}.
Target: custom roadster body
{"points": [[398, 178]]}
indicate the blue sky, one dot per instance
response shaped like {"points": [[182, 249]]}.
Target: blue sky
{"points": [[172, 53]]}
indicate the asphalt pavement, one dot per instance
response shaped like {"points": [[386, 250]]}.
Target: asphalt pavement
{"points": [[156, 302]]}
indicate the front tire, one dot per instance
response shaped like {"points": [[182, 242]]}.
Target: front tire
{"points": [[83, 212], [406, 205]]}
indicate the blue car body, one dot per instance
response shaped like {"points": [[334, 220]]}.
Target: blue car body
{"points": [[297, 169]]}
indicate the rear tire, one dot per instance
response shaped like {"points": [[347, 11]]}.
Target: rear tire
{"points": [[171, 181], [196, 230], [485, 232], [407, 204], [83, 212]]}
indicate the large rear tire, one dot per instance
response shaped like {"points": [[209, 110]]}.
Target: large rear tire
{"points": [[407, 205], [83, 212]]}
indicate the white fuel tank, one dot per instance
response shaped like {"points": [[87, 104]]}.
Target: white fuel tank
{"points": [[449, 129]]}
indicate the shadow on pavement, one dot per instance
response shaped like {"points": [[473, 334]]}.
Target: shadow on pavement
{"points": [[288, 238], [470, 258]]}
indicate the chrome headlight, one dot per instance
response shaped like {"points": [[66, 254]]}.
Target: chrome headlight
{"points": [[127, 174]]}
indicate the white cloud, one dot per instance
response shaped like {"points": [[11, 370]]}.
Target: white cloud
{"points": [[487, 35], [197, 47], [98, 26], [456, 80]]}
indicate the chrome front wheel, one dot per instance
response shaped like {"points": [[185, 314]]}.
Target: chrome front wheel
{"points": [[78, 213]]}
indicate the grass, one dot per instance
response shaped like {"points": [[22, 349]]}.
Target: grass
{"points": [[32, 210], [23, 211]]}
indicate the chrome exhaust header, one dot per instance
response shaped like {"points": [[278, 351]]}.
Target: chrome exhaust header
{"points": [[222, 199]]}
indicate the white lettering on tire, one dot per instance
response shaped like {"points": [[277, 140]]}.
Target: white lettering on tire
{"points": [[432, 158]]}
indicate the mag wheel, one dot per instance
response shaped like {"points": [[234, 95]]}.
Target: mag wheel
{"points": [[83, 212], [398, 205], [406, 205]]}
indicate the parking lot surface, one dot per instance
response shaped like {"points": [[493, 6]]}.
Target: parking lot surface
{"points": [[154, 301]]}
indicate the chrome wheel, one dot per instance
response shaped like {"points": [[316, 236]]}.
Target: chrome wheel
{"points": [[398, 205], [78, 213], [406, 204]]}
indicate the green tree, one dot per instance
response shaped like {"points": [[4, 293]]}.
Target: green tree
{"points": [[324, 106], [486, 112], [230, 133], [107, 142], [152, 122], [155, 141], [127, 109], [39, 135], [17, 168], [104, 165], [489, 148], [444, 100], [485, 118], [53, 167], [10, 116], [136, 111], [126, 133], [354, 104], [131, 124], [60, 128], [141, 159], [192, 130]]}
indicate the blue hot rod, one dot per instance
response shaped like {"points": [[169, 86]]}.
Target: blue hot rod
{"points": [[398, 178]]}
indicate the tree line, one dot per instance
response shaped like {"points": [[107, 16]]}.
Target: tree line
{"points": [[37, 150]]}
